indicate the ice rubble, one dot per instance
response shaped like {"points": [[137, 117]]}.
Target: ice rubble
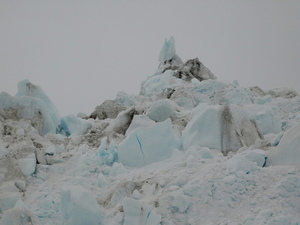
{"points": [[189, 149]]}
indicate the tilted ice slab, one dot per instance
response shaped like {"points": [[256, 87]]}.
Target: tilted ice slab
{"points": [[144, 146], [225, 128]]}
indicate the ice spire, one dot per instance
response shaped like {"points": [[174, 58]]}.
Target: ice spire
{"points": [[168, 50], [168, 54]]}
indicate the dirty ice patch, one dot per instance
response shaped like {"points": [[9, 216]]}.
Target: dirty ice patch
{"points": [[148, 145], [225, 128]]}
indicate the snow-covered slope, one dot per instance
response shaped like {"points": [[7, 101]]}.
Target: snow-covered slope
{"points": [[190, 149]]}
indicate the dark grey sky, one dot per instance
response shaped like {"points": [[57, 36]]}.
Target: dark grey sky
{"points": [[83, 52]]}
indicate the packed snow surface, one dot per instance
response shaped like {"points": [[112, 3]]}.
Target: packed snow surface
{"points": [[189, 150]]}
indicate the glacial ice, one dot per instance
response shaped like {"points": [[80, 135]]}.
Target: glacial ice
{"points": [[73, 125], [238, 96], [107, 154], [8, 200], [256, 155], [30, 108], [225, 128], [79, 207], [288, 150], [205, 163], [19, 214], [26, 88], [157, 84], [168, 50], [267, 118], [28, 164], [161, 110], [139, 121], [138, 214], [145, 145], [180, 203]]}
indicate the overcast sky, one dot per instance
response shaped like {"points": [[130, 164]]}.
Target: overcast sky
{"points": [[84, 52]]}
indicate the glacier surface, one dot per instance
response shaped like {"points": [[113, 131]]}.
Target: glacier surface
{"points": [[189, 149]]}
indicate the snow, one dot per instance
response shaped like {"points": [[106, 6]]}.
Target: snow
{"points": [[185, 151]]}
